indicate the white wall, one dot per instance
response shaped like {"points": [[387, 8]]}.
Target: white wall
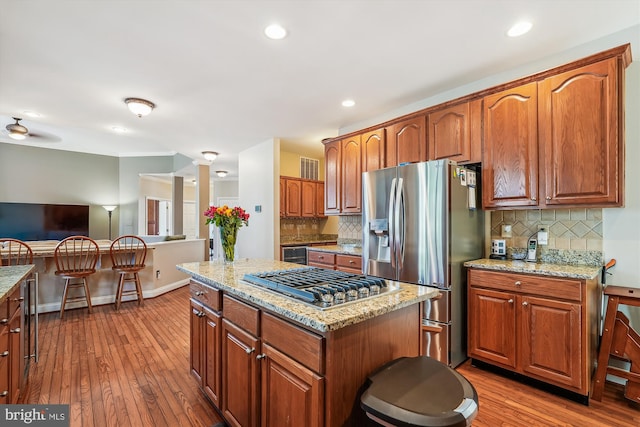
{"points": [[259, 185]]}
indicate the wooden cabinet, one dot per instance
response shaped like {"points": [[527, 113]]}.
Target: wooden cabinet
{"points": [[556, 142], [12, 356], [349, 263], [510, 157], [351, 173], [373, 146], [581, 128], [335, 261], [406, 141], [539, 326], [332, 178], [4, 353], [301, 198], [455, 132], [321, 259]]}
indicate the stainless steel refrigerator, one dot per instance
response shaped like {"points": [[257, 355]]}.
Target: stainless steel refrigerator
{"points": [[420, 224]]}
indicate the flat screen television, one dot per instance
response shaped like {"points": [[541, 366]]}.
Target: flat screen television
{"points": [[34, 221]]}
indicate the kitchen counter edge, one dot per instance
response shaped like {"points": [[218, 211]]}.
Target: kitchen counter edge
{"points": [[10, 278], [544, 269], [227, 277]]}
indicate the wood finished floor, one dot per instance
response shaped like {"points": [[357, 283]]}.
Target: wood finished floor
{"points": [[131, 368]]}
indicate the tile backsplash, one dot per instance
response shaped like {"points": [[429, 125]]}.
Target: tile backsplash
{"points": [[350, 229], [575, 235]]}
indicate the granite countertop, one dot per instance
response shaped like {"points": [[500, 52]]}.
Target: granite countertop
{"points": [[557, 270], [227, 277], [307, 240], [10, 277], [339, 249]]}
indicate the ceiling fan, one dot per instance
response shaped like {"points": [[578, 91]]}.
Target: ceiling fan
{"points": [[20, 132]]}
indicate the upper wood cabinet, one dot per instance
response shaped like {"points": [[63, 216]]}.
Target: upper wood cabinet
{"points": [[283, 197], [510, 156], [406, 141], [351, 173], [581, 141], [373, 145], [293, 197], [301, 198], [455, 132], [308, 194], [332, 178], [320, 199]]}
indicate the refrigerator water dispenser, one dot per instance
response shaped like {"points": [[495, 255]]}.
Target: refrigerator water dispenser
{"points": [[379, 236]]}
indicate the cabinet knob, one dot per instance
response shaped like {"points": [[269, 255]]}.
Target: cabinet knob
{"points": [[199, 293], [4, 353], [510, 301], [351, 262], [525, 303], [518, 283], [250, 350], [18, 299], [4, 321], [201, 314], [533, 199], [4, 393], [15, 331], [261, 356], [548, 197]]}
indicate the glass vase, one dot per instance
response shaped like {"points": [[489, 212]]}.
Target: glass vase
{"points": [[228, 239]]}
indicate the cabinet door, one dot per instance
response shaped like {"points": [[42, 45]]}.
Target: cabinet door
{"points": [[373, 150], [510, 158], [293, 188], [450, 133], [197, 341], [332, 178], [292, 395], [308, 205], [551, 334], [4, 357], [319, 199], [212, 353], [240, 376], [407, 142], [283, 197], [581, 147], [492, 326], [351, 175]]}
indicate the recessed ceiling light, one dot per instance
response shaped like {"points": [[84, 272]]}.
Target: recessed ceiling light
{"points": [[32, 113], [118, 129], [519, 29], [348, 103], [275, 32]]}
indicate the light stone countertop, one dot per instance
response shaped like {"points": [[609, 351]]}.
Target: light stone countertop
{"points": [[227, 277], [10, 277], [557, 270], [338, 249]]}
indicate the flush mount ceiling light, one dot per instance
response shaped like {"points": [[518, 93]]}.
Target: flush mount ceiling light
{"points": [[140, 107], [275, 32], [519, 29], [118, 129], [16, 130], [221, 174], [348, 103], [210, 155]]}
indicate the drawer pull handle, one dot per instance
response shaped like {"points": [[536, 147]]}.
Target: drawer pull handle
{"points": [[199, 293], [518, 283], [15, 331], [201, 314], [351, 262], [525, 303], [4, 393], [261, 356], [510, 301], [4, 321], [533, 199], [4, 353], [18, 299], [250, 350]]}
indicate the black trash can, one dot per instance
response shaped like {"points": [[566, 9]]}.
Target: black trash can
{"points": [[419, 392]]}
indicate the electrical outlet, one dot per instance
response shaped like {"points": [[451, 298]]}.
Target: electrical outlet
{"points": [[506, 230], [543, 236], [157, 274]]}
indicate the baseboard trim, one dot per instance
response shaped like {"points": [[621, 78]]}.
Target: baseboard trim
{"points": [[110, 299]]}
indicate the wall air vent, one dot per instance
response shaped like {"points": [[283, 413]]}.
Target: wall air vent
{"points": [[309, 168]]}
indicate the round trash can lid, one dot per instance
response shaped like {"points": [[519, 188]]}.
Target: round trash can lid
{"points": [[420, 391]]}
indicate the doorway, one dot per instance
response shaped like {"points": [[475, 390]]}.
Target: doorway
{"points": [[158, 217]]}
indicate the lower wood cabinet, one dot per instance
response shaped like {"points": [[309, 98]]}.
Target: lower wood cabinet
{"points": [[12, 355], [335, 261], [539, 326]]}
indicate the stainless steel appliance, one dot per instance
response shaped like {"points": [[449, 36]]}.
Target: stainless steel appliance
{"points": [[419, 226], [295, 254], [320, 287]]}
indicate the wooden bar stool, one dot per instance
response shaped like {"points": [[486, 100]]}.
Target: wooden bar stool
{"points": [[76, 258], [620, 341], [128, 254], [15, 252]]}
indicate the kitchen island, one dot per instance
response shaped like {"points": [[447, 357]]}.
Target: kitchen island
{"points": [[266, 359]]}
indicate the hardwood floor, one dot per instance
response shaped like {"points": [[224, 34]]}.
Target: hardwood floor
{"points": [[131, 368]]}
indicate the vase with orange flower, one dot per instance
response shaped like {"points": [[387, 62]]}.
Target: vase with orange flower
{"points": [[228, 220]]}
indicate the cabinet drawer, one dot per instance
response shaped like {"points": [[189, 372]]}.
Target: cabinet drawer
{"points": [[570, 289], [321, 257], [14, 302], [4, 313], [351, 262], [301, 345], [205, 295], [241, 314]]}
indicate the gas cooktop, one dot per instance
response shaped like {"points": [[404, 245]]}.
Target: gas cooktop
{"points": [[320, 287]]}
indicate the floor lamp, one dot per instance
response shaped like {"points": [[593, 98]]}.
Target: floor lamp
{"points": [[110, 209]]}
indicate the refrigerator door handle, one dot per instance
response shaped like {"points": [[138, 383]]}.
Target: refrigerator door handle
{"points": [[399, 224], [392, 196]]}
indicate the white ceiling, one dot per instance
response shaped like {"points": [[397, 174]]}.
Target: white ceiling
{"points": [[219, 84]]}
